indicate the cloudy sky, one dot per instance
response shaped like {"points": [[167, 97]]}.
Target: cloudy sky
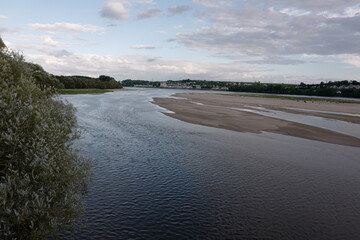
{"points": [[237, 40]]}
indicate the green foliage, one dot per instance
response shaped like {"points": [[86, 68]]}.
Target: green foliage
{"points": [[128, 83], [144, 83], [43, 79], [105, 78], [331, 89], [2, 44], [82, 91], [80, 82], [42, 180]]}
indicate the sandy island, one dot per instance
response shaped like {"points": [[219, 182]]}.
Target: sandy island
{"points": [[216, 110]]}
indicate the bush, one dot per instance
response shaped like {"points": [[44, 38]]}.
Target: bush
{"points": [[42, 180]]}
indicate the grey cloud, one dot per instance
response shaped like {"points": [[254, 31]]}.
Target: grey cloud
{"points": [[273, 60], [142, 47], [143, 67], [179, 9], [149, 13], [316, 4], [213, 3], [60, 53], [231, 56], [145, 1], [276, 61], [268, 32], [53, 53], [115, 9], [4, 29], [65, 27]]}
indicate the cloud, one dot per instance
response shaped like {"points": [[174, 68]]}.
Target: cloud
{"points": [[142, 47], [266, 32], [57, 53], [142, 67], [351, 59], [294, 12], [115, 9], [7, 30], [63, 62], [50, 42], [212, 3], [148, 13], [151, 2], [272, 60], [3, 16], [317, 4], [179, 9], [65, 27], [276, 61], [352, 11]]}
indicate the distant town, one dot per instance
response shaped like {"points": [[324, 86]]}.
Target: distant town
{"points": [[345, 88]]}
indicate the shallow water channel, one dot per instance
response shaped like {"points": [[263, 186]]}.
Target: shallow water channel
{"points": [[156, 177]]}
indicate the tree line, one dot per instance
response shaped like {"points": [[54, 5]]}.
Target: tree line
{"points": [[73, 82], [133, 83], [343, 88], [44, 80]]}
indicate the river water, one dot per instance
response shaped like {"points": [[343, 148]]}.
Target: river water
{"points": [[156, 177]]}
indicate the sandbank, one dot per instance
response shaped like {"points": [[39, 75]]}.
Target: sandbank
{"points": [[217, 110]]}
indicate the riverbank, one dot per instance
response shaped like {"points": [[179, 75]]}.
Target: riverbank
{"points": [[247, 114], [91, 90]]}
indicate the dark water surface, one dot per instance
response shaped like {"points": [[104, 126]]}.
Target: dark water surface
{"points": [[159, 178]]}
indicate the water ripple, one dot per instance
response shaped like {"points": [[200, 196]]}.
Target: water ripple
{"points": [[159, 178]]}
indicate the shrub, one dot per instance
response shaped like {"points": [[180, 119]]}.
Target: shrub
{"points": [[42, 180]]}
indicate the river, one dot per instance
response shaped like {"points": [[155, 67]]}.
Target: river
{"points": [[156, 177]]}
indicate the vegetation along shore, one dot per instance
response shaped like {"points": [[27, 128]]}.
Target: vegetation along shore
{"points": [[42, 179], [345, 88]]}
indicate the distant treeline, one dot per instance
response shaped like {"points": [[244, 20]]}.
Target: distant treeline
{"points": [[331, 89], [186, 82], [133, 83], [102, 82], [345, 88], [44, 80]]}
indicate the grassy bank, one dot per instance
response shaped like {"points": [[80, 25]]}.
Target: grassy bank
{"points": [[309, 99], [83, 91]]}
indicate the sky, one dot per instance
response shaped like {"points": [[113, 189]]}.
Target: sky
{"points": [[276, 41]]}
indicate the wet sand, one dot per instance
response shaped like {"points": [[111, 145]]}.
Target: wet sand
{"points": [[215, 110]]}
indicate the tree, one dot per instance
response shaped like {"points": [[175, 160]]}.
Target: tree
{"points": [[2, 44], [42, 180], [105, 78], [43, 79]]}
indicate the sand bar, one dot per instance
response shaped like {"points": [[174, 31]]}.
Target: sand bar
{"points": [[217, 110]]}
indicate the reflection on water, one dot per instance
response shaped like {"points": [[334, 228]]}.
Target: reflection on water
{"points": [[159, 178]]}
